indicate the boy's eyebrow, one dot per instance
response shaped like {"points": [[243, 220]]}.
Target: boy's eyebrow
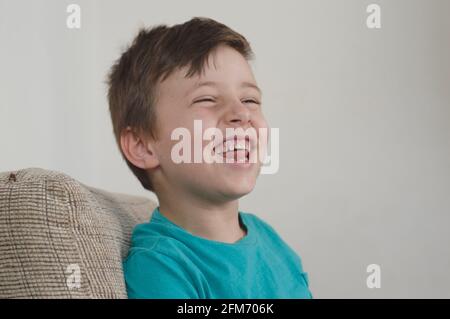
{"points": [[214, 84]]}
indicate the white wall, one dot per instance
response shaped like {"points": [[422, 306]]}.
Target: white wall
{"points": [[364, 118]]}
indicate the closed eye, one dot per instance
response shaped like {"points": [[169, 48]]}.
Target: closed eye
{"points": [[251, 101], [204, 100], [212, 100]]}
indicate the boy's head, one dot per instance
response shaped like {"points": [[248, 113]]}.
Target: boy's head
{"points": [[171, 76]]}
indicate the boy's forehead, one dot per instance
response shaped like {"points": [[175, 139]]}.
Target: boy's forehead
{"points": [[179, 84]]}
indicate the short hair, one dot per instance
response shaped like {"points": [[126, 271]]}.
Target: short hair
{"points": [[153, 55]]}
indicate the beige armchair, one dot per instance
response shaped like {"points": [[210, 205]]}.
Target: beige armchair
{"points": [[60, 238]]}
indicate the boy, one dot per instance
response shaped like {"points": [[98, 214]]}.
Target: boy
{"points": [[197, 243]]}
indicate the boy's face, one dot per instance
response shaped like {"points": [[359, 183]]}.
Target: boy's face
{"points": [[229, 101]]}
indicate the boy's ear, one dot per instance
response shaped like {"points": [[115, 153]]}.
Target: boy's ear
{"points": [[137, 150]]}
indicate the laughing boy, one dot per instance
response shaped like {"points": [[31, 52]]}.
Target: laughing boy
{"points": [[197, 244]]}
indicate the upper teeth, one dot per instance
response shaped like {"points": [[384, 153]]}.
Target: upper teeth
{"points": [[238, 146], [228, 147]]}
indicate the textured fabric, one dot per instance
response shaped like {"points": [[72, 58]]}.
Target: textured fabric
{"points": [[50, 222], [166, 261]]}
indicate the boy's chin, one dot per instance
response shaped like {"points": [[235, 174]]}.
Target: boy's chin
{"points": [[239, 186], [234, 192]]}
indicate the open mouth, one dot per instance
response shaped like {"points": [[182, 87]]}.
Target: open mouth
{"points": [[235, 149]]}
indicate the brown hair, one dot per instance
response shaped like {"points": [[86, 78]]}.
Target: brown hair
{"points": [[154, 54]]}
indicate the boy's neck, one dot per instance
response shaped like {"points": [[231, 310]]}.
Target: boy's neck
{"points": [[213, 222]]}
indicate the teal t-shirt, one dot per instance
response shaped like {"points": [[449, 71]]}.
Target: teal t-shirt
{"points": [[166, 261]]}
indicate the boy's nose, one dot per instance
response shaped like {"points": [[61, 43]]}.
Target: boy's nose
{"points": [[238, 113]]}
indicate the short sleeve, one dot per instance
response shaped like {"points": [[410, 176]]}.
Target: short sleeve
{"points": [[153, 275]]}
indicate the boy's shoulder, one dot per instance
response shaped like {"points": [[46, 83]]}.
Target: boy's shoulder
{"points": [[155, 237]]}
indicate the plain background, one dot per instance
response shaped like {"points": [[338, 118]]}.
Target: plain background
{"points": [[364, 119]]}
